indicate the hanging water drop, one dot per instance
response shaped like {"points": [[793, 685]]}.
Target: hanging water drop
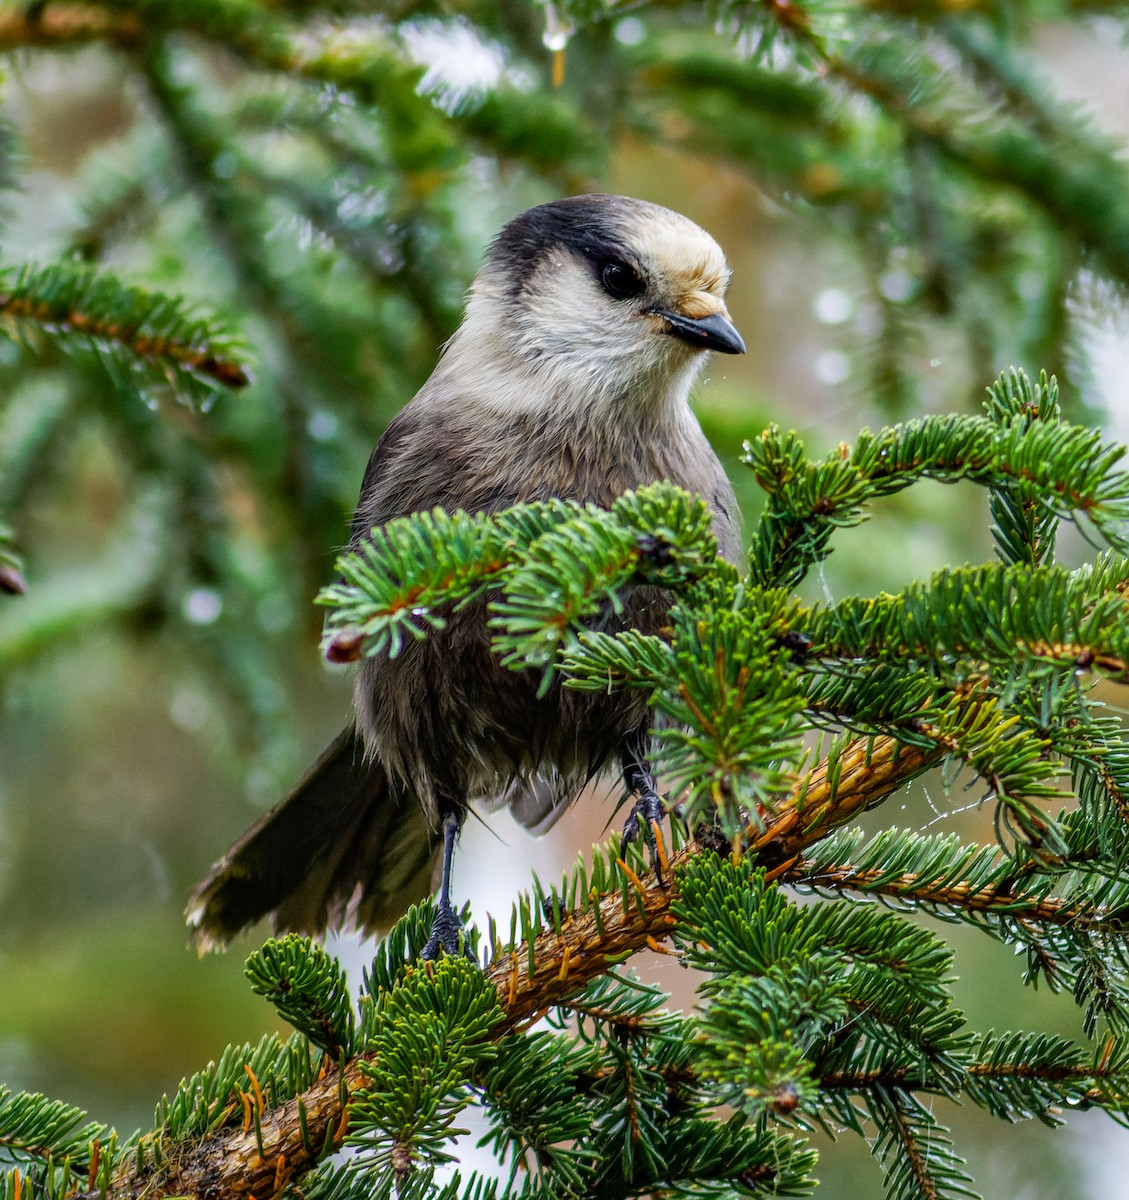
{"points": [[558, 30]]}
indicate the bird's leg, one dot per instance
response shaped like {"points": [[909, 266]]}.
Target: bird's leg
{"points": [[649, 808], [447, 932]]}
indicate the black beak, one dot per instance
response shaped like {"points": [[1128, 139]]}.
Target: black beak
{"points": [[708, 333]]}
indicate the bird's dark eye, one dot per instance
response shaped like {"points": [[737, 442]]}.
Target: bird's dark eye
{"points": [[620, 281]]}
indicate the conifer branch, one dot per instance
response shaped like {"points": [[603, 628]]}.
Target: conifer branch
{"points": [[915, 890], [808, 501], [198, 145], [908, 1080], [901, 1134], [276, 1145], [50, 25], [1049, 1072], [994, 614], [117, 584], [64, 301], [322, 116], [1082, 197]]}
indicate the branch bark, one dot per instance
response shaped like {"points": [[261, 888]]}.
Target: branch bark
{"points": [[270, 1150], [959, 894], [66, 25]]}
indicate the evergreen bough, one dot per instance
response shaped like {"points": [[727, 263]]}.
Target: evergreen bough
{"points": [[833, 1014], [778, 720]]}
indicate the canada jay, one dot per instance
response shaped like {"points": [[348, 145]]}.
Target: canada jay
{"points": [[569, 377]]}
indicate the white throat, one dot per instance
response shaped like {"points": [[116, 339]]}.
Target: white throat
{"points": [[524, 366]]}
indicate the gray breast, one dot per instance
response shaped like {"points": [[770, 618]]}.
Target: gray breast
{"points": [[449, 723]]}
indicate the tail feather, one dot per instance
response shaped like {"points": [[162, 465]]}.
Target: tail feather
{"points": [[342, 849]]}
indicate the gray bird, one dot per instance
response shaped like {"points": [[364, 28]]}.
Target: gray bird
{"points": [[569, 376]]}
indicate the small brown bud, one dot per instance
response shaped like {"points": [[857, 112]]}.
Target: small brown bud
{"points": [[345, 646], [224, 371], [12, 582], [401, 1160], [785, 1099]]}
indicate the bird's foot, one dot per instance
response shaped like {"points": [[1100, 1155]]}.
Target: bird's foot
{"points": [[448, 935], [647, 811], [647, 817]]}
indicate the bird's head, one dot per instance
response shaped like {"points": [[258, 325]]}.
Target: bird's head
{"points": [[602, 299]]}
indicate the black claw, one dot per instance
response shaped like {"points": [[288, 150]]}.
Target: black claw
{"points": [[649, 809], [448, 936], [646, 817], [631, 828]]}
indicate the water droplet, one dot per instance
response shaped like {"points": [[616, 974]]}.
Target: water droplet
{"points": [[202, 606], [557, 29], [833, 306], [322, 425], [832, 366], [897, 286], [630, 31]]}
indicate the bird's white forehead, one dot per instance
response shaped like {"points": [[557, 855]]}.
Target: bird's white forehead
{"points": [[673, 247]]}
